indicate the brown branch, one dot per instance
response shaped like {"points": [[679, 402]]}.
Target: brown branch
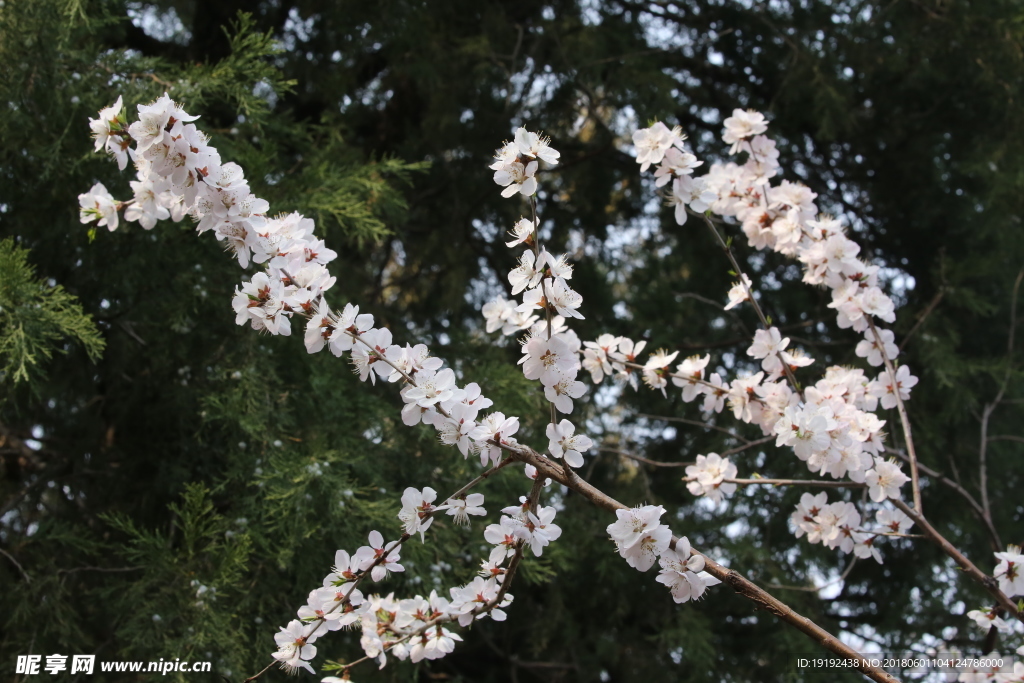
{"points": [[921, 318], [965, 564], [750, 444]]}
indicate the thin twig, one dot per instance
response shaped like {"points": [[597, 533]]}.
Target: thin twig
{"points": [[28, 579], [821, 483], [1006, 437], [749, 444], [921, 318], [646, 461], [990, 408], [695, 423], [816, 589], [750, 294]]}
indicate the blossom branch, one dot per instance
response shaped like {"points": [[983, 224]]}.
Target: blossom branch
{"points": [[904, 419], [739, 583]]}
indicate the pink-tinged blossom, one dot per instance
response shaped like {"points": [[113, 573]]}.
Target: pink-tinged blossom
{"points": [[875, 350], [495, 427], [627, 353], [709, 475], [655, 370], [528, 273], [472, 598], [154, 120], [693, 369], [864, 546], [319, 328], [715, 392], [688, 191], [456, 429], [675, 163], [318, 608], [517, 178], [260, 302], [432, 388], [564, 443], [461, 508], [894, 521], [683, 572], [97, 205], [1010, 571], [434, 643], [563, 391], [767, 346], [417, 510], [367, 354], [653, 143], [885, 480], [639, 536], [350, 324], [806, 429], [742, 393], [411, 360], [548, 360], [295, 648], [382, 558], [556, 294], [809, 507], [521, 232], [987, 618], [739, 292], [536, 146], [885, 389], [504, 156], [105, 128], [742, 125], [538, 530], [595, 356], [345, 569]]}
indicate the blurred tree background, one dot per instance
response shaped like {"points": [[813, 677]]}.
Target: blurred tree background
{"points": [[174, 485]]}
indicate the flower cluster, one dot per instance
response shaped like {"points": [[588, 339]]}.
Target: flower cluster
{"points": [[708, 477], [641, 539], [179, 173], [413, 628], [838, 525], [515, 164], [830, 425], [550, 349]]}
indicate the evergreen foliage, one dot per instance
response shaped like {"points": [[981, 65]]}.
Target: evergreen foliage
{"points": [[34, 317], [193, 453]]}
